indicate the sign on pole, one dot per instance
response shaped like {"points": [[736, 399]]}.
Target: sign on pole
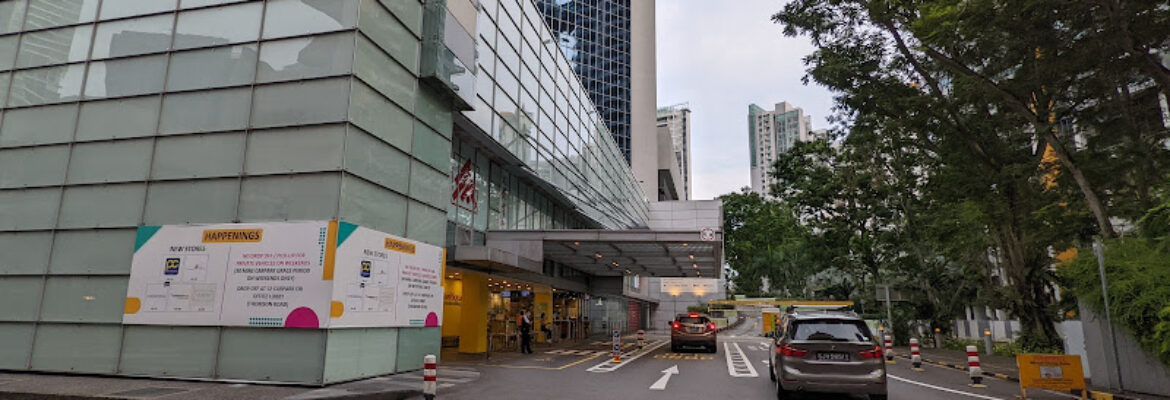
{"points": [[1050, 371], [617, 345]]}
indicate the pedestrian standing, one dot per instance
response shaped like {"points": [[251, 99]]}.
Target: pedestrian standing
{"points": [[526, 333]]}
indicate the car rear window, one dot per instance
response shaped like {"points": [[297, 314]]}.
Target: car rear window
{"points": [[692, 320], [831, 330]]}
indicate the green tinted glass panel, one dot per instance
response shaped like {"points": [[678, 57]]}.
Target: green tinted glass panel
{"points": [[199, 156], [296, 197], [17, 339], [308, 149], [24, 252], [117, 161], [33, 166], [192, 202], [84, 299], [427, 224], [102, 206], [96, 252], [187, 352], [121, 118], [77, 348], [282, 355], [375, 160], [20, 296], [38, 125], [373, 206], [414, 344], [378, 116], [28, 209]]}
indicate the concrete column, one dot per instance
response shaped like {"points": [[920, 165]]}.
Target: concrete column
{"points": [[643, 97]]}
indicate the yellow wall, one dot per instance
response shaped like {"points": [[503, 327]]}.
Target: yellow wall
{"points": [[452, 306], [473, 319], [542, 303]]}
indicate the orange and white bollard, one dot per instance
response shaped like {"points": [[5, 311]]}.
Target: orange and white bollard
{"points": [[973, 367], [915, 355], [889, 349], [641, 339], [430, 377]]}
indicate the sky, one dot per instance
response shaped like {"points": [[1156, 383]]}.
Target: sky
{"points": [[720, 58]]}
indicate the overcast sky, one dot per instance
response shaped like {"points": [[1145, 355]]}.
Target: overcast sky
{"points": [[720, 58]]}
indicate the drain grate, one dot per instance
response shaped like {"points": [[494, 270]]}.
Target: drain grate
{"points": [[150, 392]]}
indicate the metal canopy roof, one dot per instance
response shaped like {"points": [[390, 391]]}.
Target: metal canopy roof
{"points": [[626, 252]]}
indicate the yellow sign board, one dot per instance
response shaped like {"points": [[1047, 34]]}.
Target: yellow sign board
{"points": [[233, 235], [1050, 371], [770, 320]]}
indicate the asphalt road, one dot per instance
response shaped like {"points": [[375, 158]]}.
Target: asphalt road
{"points": [[581, 375]]}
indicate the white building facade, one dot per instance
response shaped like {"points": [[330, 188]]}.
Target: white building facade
{"points": [[772, 133]]}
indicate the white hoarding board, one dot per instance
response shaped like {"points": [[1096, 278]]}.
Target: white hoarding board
{"points": [[699, 286], [280, 275], [230, 274], [384, 280]]}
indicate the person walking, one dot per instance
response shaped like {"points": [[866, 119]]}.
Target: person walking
{"points": [[526, 333]]}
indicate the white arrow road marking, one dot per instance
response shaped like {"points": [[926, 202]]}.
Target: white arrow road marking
{"points": [[660, 384], [943, 389]]}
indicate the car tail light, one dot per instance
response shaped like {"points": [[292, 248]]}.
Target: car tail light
{"points": [[675, 325], [875, 352], [694, 315], [711, 326], [789, 351]]}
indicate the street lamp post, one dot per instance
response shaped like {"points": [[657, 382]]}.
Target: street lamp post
{"points": [[1099, 250]]}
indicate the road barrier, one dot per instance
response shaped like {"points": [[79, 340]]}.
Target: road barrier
{"points": [[641, 339], [973, 367], [889, 349], [915, 355], [430, 377]]}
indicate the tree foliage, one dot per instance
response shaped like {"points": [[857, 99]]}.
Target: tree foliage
{"points": [[974, 137]]}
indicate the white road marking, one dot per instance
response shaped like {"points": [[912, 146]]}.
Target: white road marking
{"points": [[943, 389], [660, 384], [738, 365], [627, 357]]}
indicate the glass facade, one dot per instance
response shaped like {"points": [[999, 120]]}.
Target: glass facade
{"points": [[529, 100], [116, 114], [595, 37]]}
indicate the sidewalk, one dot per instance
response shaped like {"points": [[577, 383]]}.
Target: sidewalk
{"points": [[28, 386], [1003, 368]]}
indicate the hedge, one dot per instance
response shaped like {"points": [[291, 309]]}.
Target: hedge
{"points": [[1138, 272]]}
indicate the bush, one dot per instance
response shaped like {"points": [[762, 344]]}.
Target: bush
{"points": [[699, 308], [1138, 272]]}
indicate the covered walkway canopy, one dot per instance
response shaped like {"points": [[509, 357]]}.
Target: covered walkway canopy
{"points": [[660, 253]]}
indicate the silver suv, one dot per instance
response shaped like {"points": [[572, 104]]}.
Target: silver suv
{"points": [[825, 351]]}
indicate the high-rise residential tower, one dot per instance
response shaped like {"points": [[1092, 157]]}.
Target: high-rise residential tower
{"points": [[675, 121], [772, 133]]}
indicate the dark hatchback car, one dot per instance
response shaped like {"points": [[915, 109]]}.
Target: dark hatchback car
{"points": [[832, 352], [693, 330]]}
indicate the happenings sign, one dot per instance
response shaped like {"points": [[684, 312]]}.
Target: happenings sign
{"points": [[283, 274], [1050, 371]]}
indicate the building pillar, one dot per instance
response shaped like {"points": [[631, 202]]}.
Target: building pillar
{"points": [[542, 306], [473, 321]]}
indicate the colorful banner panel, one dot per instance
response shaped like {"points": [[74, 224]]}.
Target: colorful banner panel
{"points": [[282, 274]]}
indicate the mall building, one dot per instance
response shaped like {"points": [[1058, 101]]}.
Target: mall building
{"points": [[460, 124]]}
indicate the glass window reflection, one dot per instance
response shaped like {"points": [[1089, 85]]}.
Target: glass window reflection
{"points": [[133, 36], [298, 17], [218, 26], [55, 46], [11, 15], [306, 57], [7, 52], [46, 85], [126, 77], [217, 67], [125, 8], [50, 13]]}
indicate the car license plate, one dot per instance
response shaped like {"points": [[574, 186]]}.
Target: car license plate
{"points": [[696, 330], [832, 356]]}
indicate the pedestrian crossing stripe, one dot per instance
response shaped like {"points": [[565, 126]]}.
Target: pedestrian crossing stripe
{"points": [[569, 352]]}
